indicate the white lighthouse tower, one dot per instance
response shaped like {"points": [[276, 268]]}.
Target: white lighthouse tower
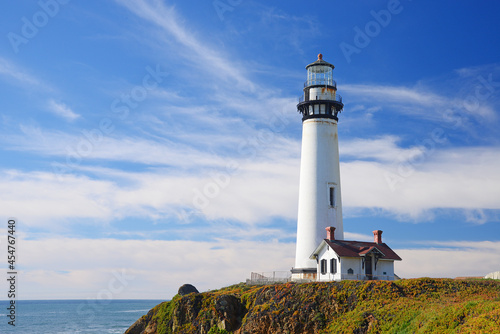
{"points": [[320, 204]]}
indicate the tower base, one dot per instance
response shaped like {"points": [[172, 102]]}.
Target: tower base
{"points": [[304, 274]]}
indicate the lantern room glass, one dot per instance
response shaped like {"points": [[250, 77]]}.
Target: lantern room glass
{"points": [[320, 75]]}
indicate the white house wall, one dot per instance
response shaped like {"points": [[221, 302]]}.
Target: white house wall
{"points": [[353, 263], [384, 271], [327, 254]]}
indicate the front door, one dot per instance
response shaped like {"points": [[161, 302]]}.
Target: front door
{"points": [[368, 266]]}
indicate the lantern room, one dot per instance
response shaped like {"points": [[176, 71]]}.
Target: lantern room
{"points": [[320, 73], [320, 99]]}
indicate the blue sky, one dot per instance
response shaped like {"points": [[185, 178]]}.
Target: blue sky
{"points": [[160, 141]]}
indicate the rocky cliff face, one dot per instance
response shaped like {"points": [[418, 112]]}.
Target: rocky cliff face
{"points": [[407, 306]]}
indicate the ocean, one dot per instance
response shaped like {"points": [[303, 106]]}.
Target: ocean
{"points": [[73, 316]]}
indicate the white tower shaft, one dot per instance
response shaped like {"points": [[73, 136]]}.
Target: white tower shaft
{"points": [[320, 203]]}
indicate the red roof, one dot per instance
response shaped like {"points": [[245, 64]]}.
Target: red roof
{"points": [[361, 248]]}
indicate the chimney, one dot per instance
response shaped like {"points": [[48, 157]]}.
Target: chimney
{"points": [[377, 236], [330, 233]]}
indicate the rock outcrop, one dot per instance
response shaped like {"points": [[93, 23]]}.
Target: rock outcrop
{"points": [[144, 325], [409, 306], [187, 289]]}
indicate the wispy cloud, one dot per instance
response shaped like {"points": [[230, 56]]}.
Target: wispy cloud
{"points": [[467, 93], [62, 110], [158, 14], [12, 71], [395, 94], [155, 150]]}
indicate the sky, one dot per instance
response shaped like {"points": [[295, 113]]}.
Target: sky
{"points": [[146, 144]]}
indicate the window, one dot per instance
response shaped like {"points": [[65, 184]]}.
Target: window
{"points": [[332, 196], [350, 271], [333, 266], [323, 266]]}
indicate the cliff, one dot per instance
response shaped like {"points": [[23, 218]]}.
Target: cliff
{"points": [[408, 306]]}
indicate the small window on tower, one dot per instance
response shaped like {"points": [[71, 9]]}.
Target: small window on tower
{"points": [[332, 196]]}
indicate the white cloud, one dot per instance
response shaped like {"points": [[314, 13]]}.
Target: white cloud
{"points": [[381, 149], [410, 182], [250, 191], [62, 110], [38, 198], [411, 191], [456, 259], [253, 187], [65, 268]]}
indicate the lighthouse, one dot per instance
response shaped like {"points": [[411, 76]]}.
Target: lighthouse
{"points": [[320, 204]]}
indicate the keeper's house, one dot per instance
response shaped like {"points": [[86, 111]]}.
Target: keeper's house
{"points": [[354, 260]]}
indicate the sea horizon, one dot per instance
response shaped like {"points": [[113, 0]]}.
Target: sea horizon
{"points": [[74, 315]]}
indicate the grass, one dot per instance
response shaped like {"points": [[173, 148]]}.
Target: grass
{"points": [[421, 305]]}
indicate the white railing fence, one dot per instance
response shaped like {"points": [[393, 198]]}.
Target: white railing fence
{"points": [[286, 276], [270, 277], [363, 277]]}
